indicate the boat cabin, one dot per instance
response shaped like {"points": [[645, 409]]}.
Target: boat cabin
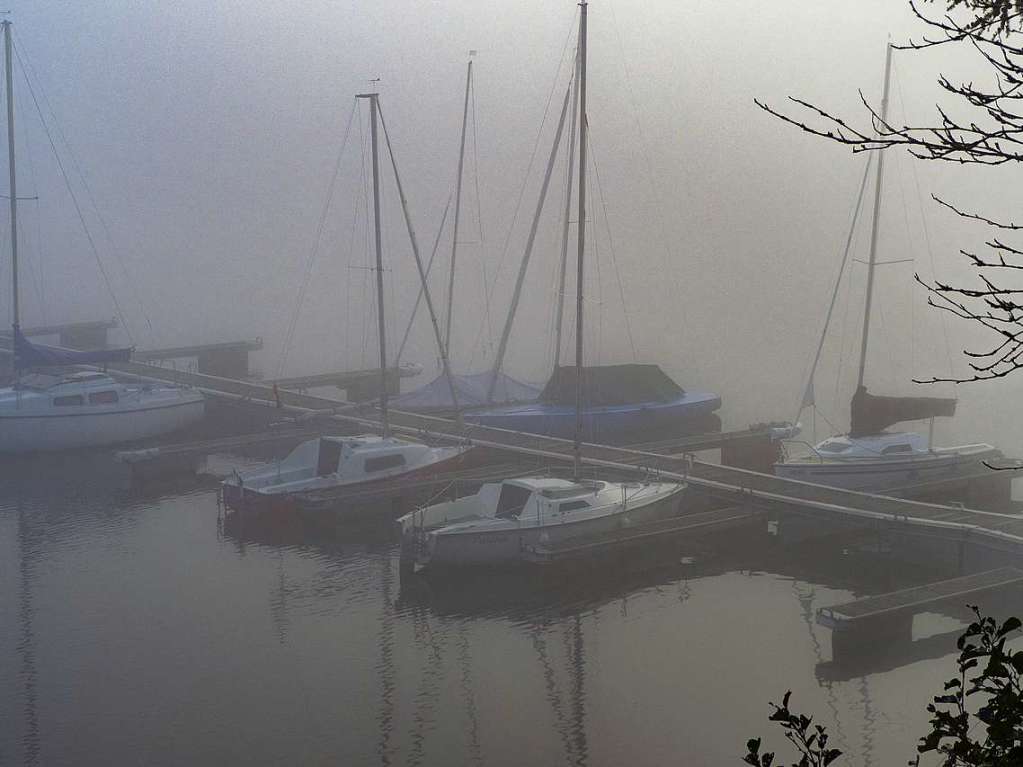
{"points": [[884, 445]]}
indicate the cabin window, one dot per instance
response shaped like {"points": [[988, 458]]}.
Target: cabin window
{"points": [[512, 501], [903, 448], [328, 458], [573, 505], [382, 462], [70, 399], [103, 397]]}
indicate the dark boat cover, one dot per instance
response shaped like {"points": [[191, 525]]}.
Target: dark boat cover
{"points": [[471, 391], [607, 385], [872, 414], [30, 355]]}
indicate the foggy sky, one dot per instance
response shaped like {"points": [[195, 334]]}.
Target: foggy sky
{"points": [[207, 132]]}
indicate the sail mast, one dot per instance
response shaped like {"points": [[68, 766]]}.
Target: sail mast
{"points": [[559, 315], [13, 184], [385, 429], [458, 209], [577, 446], [875, 221]]}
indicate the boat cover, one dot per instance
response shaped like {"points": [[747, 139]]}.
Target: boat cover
{"points": [[872, 414], [471, 391], [606, 385], [30, 355]]}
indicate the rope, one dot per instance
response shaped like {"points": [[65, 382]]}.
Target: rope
{"points": [[611, 245], [311, 258], [927, 236]]}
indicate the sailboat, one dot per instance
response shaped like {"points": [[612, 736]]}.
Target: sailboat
{"points": [[83, 408], [496, 525], [338, 464], [869, 457]]}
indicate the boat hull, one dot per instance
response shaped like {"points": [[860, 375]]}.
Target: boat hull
{"points": [[32, 432], [882, 476], [504, 548], [691, 412], [338, 499]]}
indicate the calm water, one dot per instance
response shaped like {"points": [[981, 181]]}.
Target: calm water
{"points": [[135, 630]]}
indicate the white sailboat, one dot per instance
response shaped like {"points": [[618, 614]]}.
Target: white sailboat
{"points": [[338, 464], [869, 457], [498, 524], [80, 409]]}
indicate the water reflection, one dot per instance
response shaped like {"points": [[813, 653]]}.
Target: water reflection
{"points": [[189, 639]]}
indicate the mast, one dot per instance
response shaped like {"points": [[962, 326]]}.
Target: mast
{"points": [[577, 446], [385, 428], [458, 209], [13, 183], [875, 220], [564, 228]]}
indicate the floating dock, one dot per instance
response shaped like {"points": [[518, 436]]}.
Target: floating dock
{"points": [[873, 625]]}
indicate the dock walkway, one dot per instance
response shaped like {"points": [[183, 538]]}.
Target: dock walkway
{"points": [[739, 484]]}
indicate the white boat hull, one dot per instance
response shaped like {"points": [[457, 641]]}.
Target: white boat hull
{"points": [[884, 476], [506, 547], [22, 433]]}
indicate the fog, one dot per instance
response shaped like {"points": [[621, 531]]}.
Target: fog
{"points": [[207, 133]]}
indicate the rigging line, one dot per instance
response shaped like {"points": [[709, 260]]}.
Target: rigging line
{"points": [[668, 261], [81, 216], [927, 235], [442, 349], [34, 263], [311, 258], [26, 68], [611, 242], [529, 167], [419, 296], [838, 283]]}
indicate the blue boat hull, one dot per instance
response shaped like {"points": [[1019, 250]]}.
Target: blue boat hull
{"points": [[691, 413]]}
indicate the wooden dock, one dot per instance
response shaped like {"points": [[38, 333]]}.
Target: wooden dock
{"points": [[910, 601]]}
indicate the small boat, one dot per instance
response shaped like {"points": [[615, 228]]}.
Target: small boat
{"points": [[870, 458], [89, 409], [41, 412], [618, 401], [334, 463], [883, 462], [498, 524], [342, 463]]}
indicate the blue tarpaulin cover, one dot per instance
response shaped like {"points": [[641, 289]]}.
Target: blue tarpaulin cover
{"points": [[471, 390], [30, 355]]}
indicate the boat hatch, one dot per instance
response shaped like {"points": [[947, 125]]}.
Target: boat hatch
{"points": [[381, 462], [573, 506], [901, 448], [70, 399], [583, 487], [512, 501], [329, 457]]}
